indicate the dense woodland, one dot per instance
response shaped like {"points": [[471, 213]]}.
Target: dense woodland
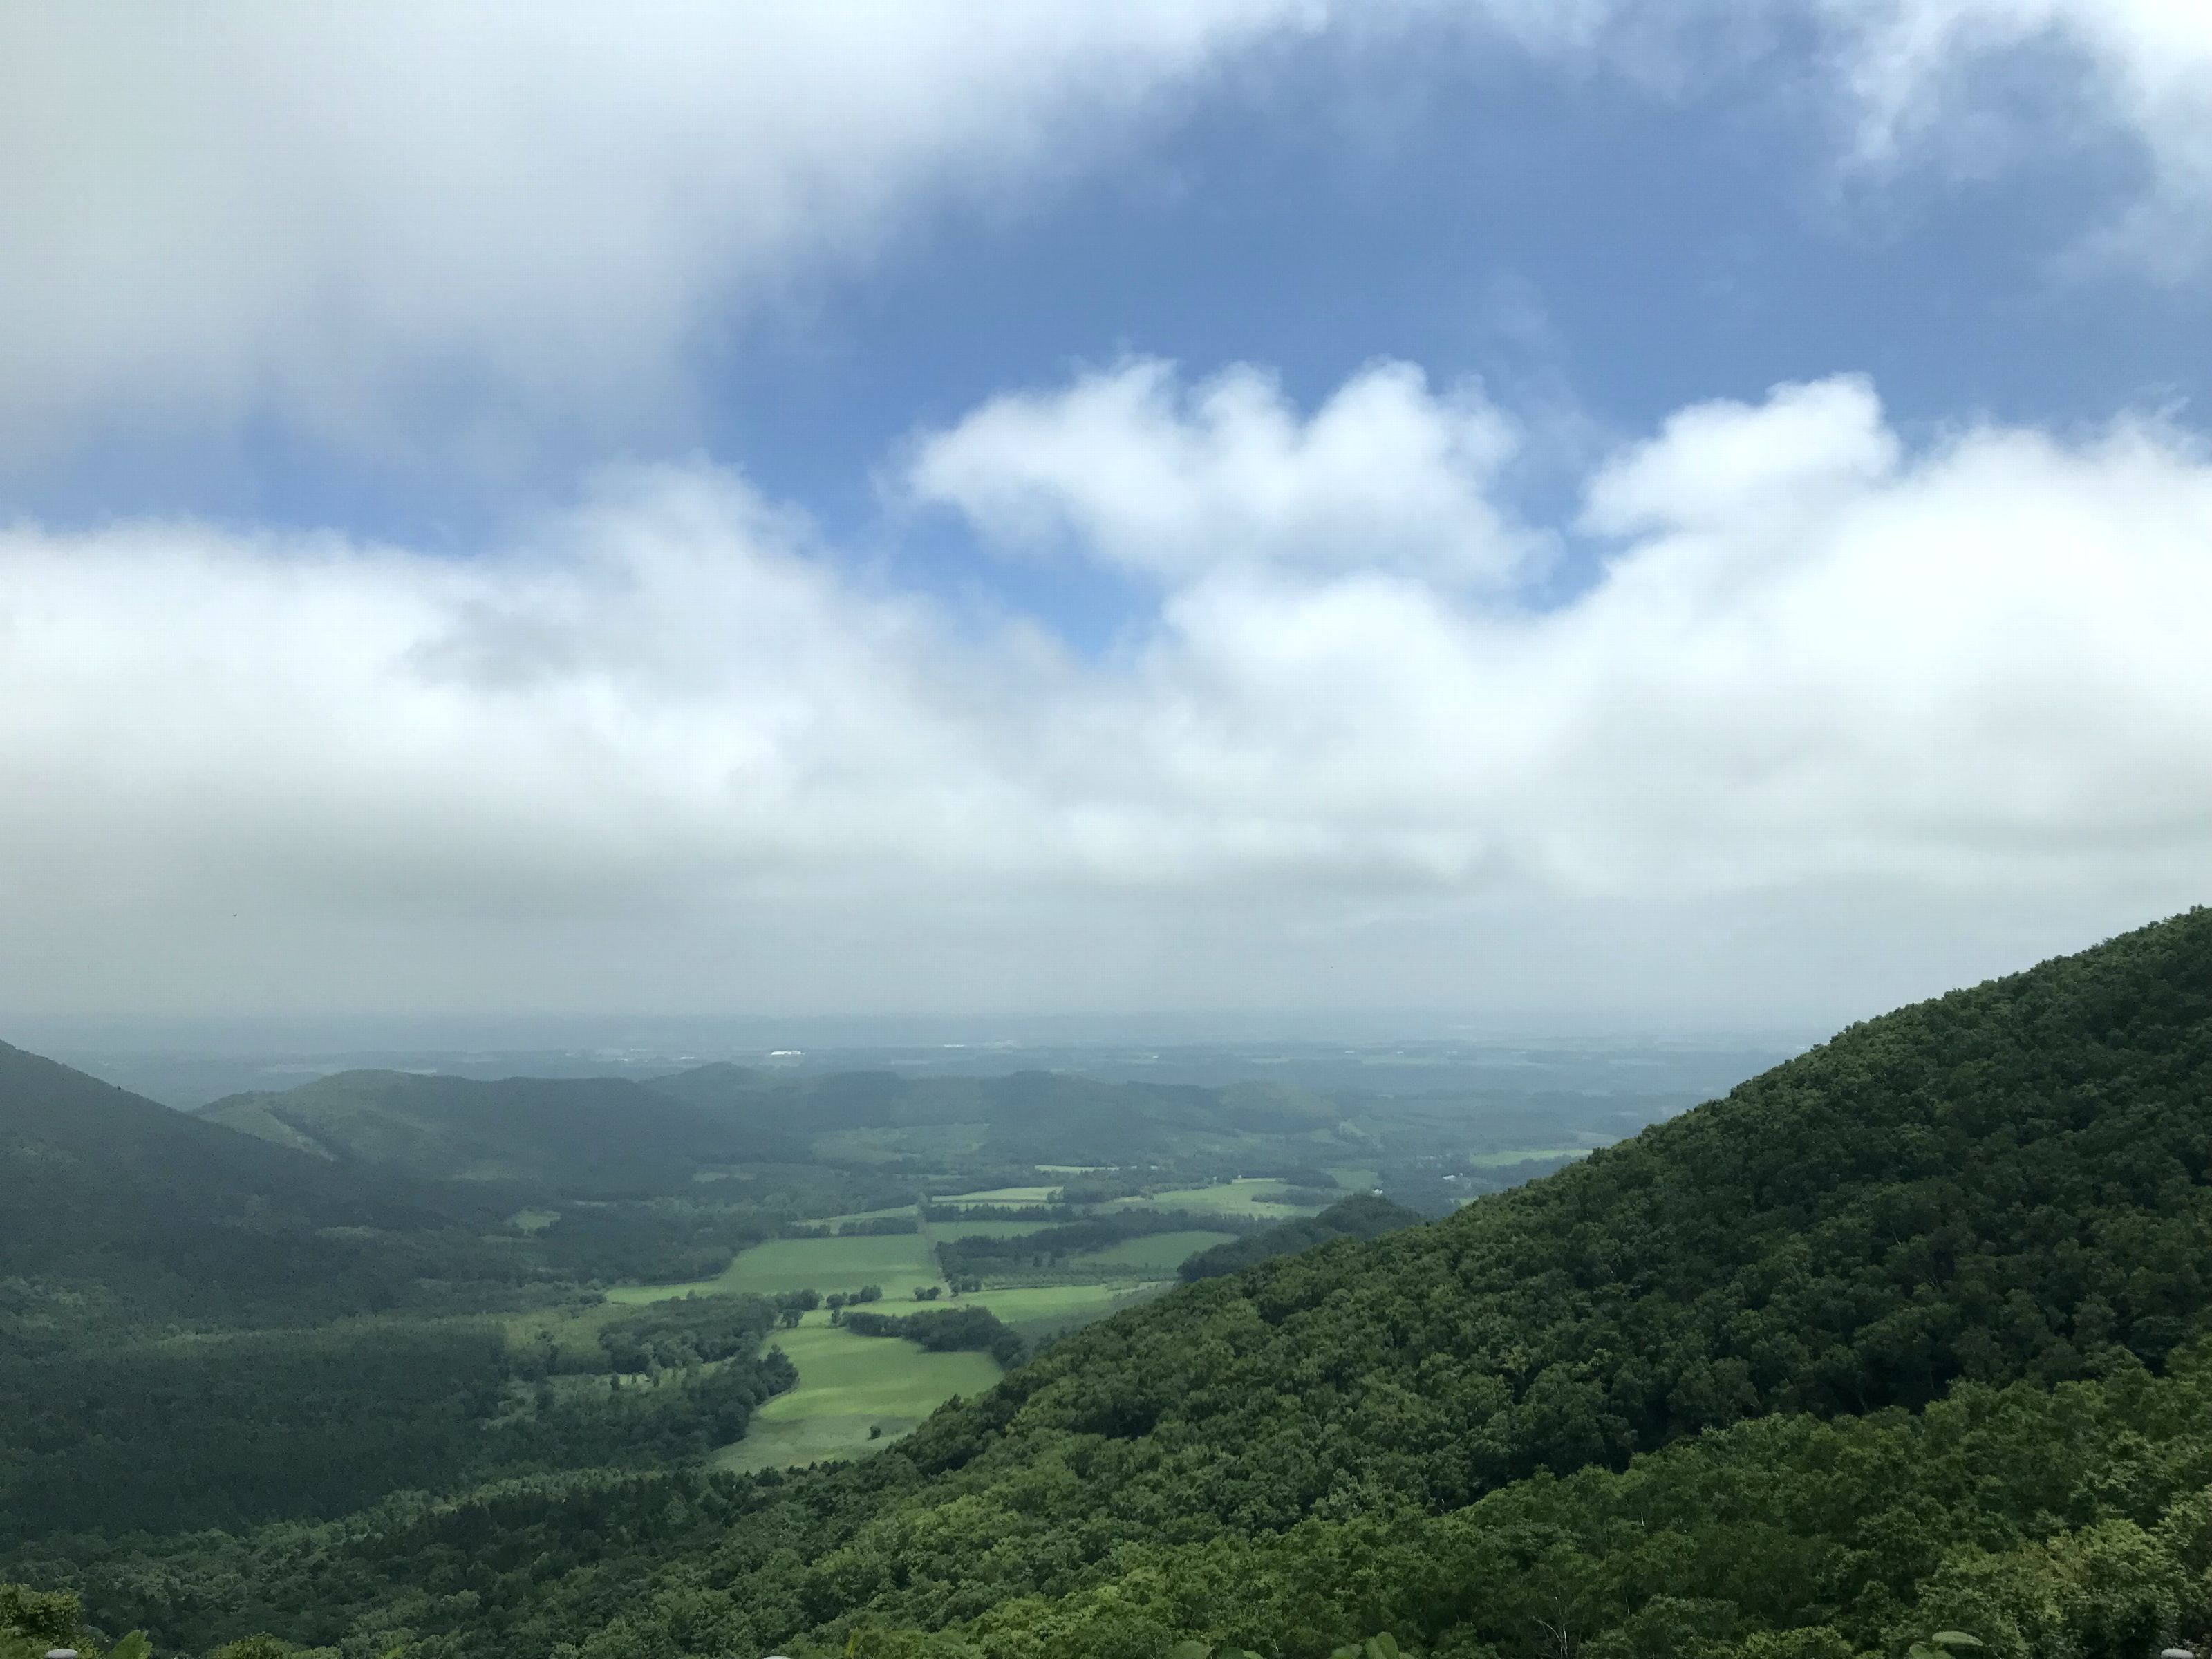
{"points": [[1364, 1216], [1912, 1333]]}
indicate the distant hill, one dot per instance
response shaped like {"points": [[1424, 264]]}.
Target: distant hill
{"points": [[578, 1137], [163, 1211], [1031, 1116]]}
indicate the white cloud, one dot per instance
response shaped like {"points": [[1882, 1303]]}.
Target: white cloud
{"points": [[464, 227], [1382, 476], [343, 215], [1720, 463], [1926, 75], [660, 755]]}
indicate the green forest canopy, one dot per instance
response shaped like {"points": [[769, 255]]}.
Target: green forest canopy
{"points": [[1905, 1333]]}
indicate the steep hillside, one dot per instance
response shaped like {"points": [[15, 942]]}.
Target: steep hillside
{"points": [[589, 1137], [2006, 1188], [2006, 1182], [106, 1194]]}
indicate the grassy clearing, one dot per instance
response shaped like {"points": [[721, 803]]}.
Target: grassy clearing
{"points": [[846, 1385], [984, 1228], [1035, 1310], [1005, 1196], [1498, 1160], [1250, 1196], [533, 1221], [897, 1261], [1159, 1255], [1354, 1178], [791, 1442], [902, 1212]]}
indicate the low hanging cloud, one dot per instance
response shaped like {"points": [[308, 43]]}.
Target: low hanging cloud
{"points": [[667, 752]]}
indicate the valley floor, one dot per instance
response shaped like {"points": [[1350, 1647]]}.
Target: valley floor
{"points": [[858, 1394]]}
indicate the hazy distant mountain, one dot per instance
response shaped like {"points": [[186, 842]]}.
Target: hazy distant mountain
{"points": [[1026, 1116], [102, 1188], [585, 1137]]}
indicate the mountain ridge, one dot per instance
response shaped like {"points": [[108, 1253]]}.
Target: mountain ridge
{"points": [[90, 1176], [603, 1136]]}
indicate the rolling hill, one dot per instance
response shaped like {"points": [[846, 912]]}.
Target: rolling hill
{"points": [[1025, 1116], [113, 1204], [580, 1137]]}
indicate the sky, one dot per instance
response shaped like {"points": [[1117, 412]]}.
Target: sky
{"points": [[1563, 513]]}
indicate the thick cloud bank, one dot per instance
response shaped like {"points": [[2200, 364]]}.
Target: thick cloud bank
{"points": [[666, 752]]}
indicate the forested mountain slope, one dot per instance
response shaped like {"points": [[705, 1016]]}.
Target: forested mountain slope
{"points": [[586, 1136], [107, 1195], [2004, 1188], [1365, 1215], [69, 1135], [614, 1136]]}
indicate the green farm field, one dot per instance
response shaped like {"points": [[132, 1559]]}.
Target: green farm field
{"points": [[1251, 1196], [1522, 1155], [1005, 1196], [848, 1384], [1035, 1310], [966, 1229], [896, 1212], [896, 1261]]}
